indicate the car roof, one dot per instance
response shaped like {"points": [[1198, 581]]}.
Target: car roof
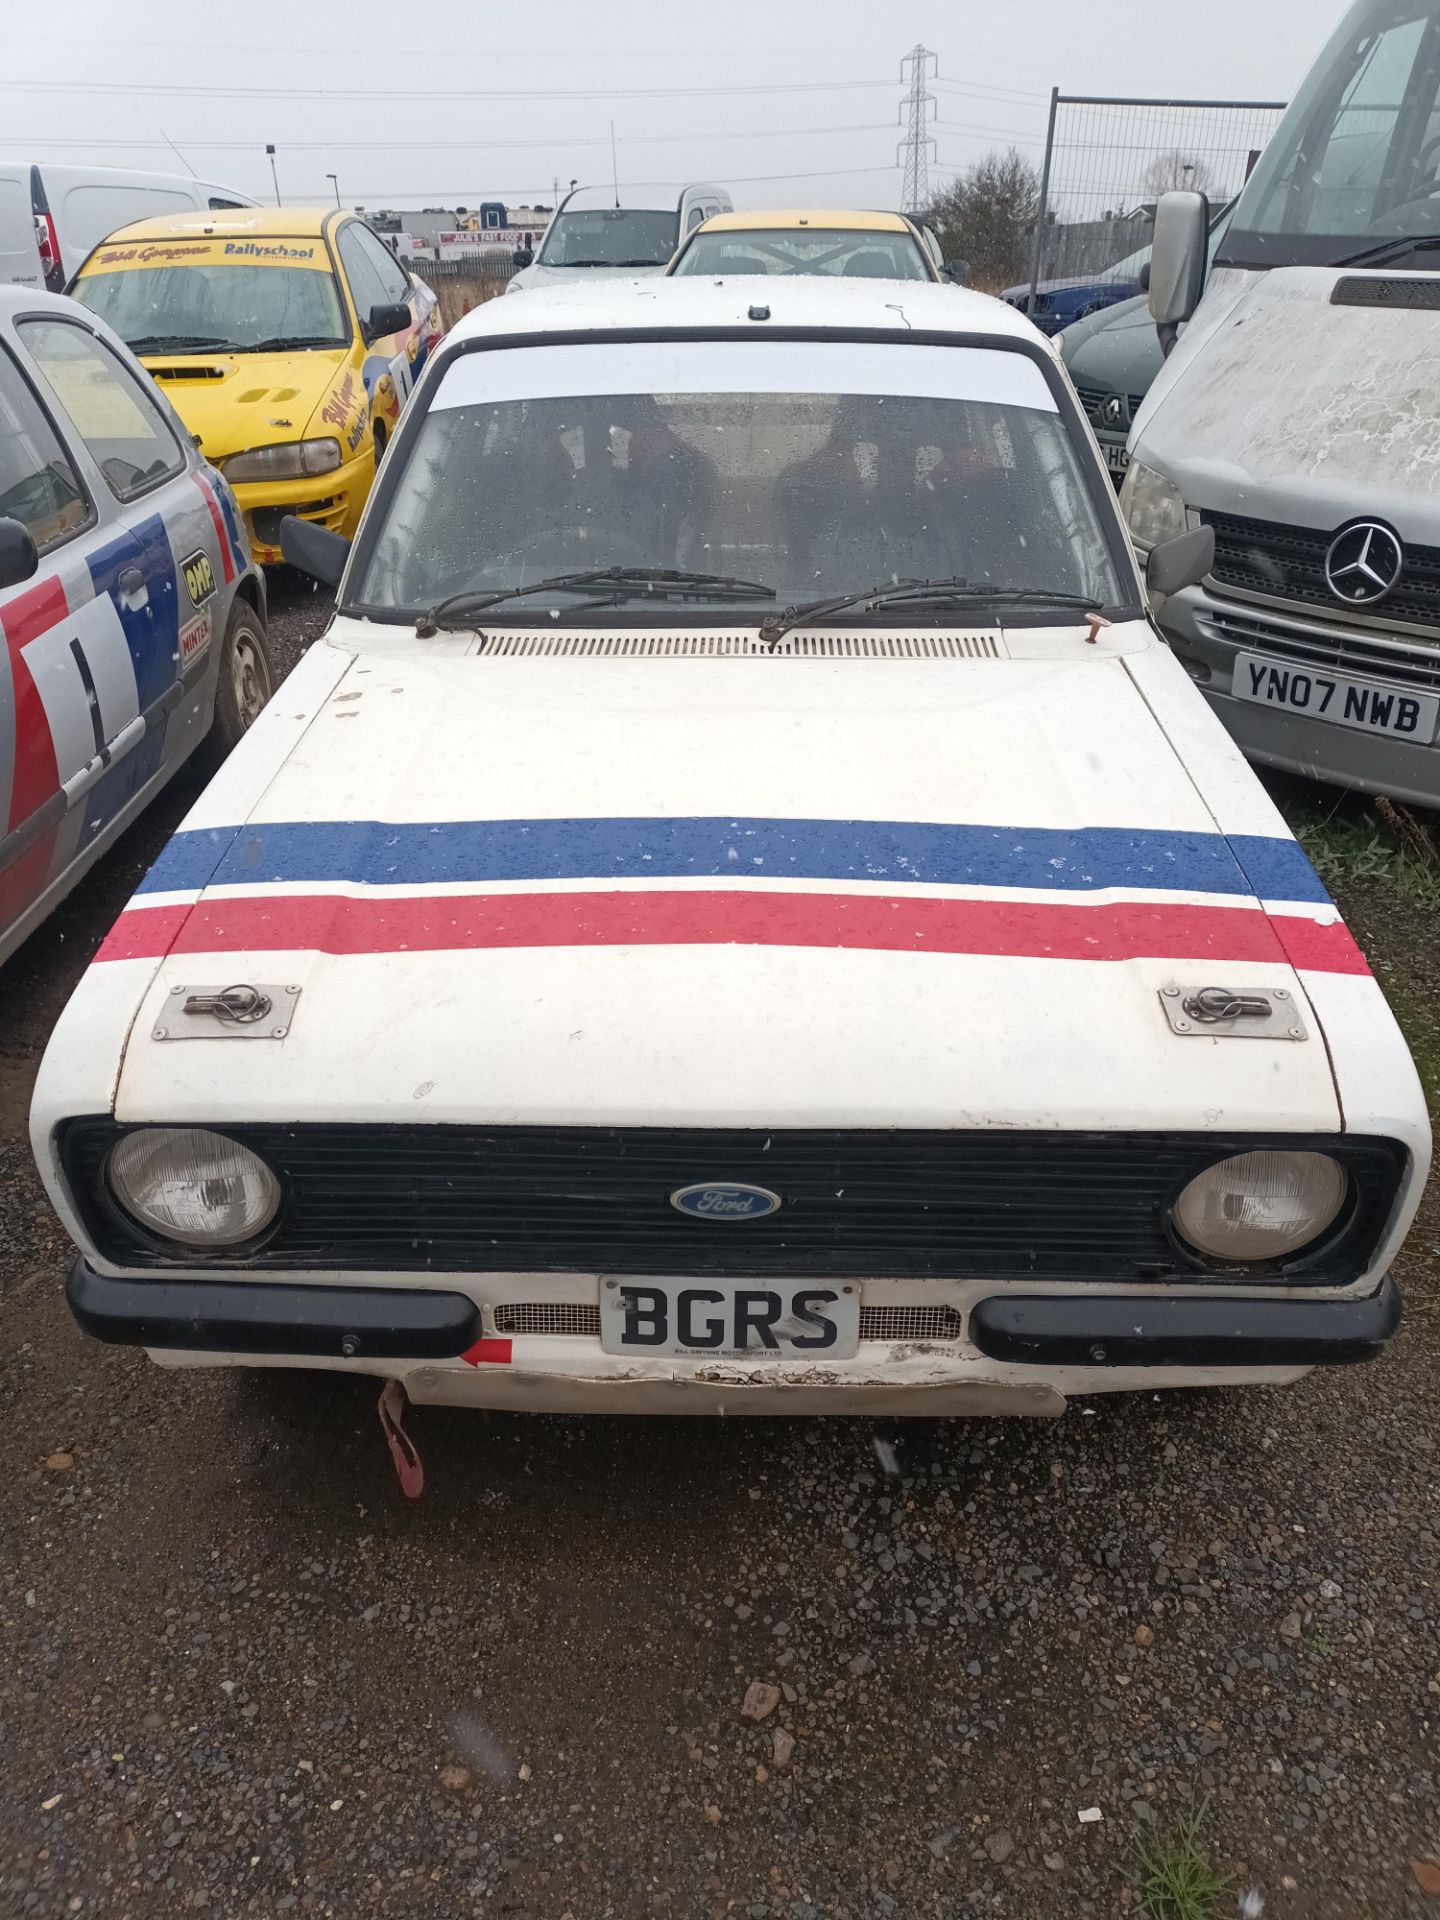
{"points": [[703, 302], [16, 299], [645, 199], [275, 223], [828, 219]]}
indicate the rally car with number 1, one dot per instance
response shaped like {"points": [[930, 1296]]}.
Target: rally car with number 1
{"points": [[132, 621]]}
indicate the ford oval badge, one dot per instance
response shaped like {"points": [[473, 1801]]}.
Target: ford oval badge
{"points": [[725, 1200]]}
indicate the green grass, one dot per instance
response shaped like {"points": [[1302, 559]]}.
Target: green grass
{"points": [[1349, 842], [1177, 1880], [1320, 1644]]}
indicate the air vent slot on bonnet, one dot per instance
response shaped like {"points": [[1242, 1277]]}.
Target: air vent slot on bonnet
{"points": [[1421, 296], [187, 373], [800, 645]]}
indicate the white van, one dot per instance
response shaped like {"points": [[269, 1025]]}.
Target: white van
{"points": [[1299, 417], [50, 216], [617, 230]]}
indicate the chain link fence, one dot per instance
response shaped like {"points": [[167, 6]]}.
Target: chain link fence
{"points": [[1107, 162]]}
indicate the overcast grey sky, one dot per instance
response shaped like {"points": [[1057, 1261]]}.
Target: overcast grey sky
{"points": [[447, 100]]}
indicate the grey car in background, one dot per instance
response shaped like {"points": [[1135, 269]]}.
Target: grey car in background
{"points": [[1112, 357]]}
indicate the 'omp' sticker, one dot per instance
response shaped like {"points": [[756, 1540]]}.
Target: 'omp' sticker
{"points": [[199, 577]]}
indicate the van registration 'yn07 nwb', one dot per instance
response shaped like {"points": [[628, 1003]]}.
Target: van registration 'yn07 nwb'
{"points": [[659, 955]]}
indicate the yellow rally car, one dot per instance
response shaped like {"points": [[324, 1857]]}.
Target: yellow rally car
{"points": [[288, 340]]}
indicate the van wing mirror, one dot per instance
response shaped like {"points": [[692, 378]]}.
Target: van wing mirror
{"points": [[1180, 562], [391, 316], [958, 270], [1178, 257], [522, 256], [314, 549], [19, 557]]}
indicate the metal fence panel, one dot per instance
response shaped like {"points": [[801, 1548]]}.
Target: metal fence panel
{"points": [[1107, 162], [490, 265]]}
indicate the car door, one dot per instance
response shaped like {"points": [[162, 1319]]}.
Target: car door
{"points": [[48, 710], [145, 631], [393, 360]]}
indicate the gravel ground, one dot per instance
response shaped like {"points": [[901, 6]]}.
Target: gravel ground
{"points": [[242, 1676]]}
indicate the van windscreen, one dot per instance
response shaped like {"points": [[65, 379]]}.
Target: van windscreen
{"points": [[1353, 171]]}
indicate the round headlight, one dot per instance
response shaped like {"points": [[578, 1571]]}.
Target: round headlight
{"points": [[1261, 1206], [192, 1186]]}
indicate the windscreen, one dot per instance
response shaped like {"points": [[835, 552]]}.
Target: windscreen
{"points": [[853, 255], [1355, 164], [805, 470], [611, 237], [219, 296]]}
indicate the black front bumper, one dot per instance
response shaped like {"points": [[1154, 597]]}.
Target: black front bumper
{"points": [[1106, 1330], [267, 1316], [1039, 1330]]}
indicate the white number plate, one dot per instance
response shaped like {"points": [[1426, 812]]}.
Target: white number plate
{"points": [[729, 1319], [1365, 704], [1117, 456]]}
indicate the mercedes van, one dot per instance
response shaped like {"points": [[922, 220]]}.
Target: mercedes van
{"points": [[1299, 417]]}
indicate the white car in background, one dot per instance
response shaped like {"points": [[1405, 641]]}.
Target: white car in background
{"points": [[739, 912], [607, 231]]}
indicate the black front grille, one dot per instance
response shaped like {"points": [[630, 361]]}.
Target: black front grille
{"points": [[996, 1206], [1094, 398], [1288, 563]]}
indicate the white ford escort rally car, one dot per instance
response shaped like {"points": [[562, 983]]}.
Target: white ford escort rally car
{"points": [[739, 912]]}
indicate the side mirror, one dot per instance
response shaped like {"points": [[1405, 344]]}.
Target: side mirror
{"points": [[522, 256], [1178, 257], [1145, 278], [1180, 562], [958, 270], [390, 317], [18, 555], [314, 549]]}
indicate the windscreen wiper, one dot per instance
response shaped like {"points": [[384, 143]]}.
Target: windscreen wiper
{"points": [[289, 342], [1391, 250], [614, 584], [176, 343], [926, 593]]}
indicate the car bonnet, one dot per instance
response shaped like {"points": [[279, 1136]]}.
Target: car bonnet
{"points": [[790, 891]]}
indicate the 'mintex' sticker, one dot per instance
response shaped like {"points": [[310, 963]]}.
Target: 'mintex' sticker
{"points": [[194, 639]]}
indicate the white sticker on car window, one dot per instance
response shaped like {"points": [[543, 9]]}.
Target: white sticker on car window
{"points": [[741, 366]]}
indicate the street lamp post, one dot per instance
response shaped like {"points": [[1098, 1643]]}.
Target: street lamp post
{"points": [[336, 184], [273, 174]]}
